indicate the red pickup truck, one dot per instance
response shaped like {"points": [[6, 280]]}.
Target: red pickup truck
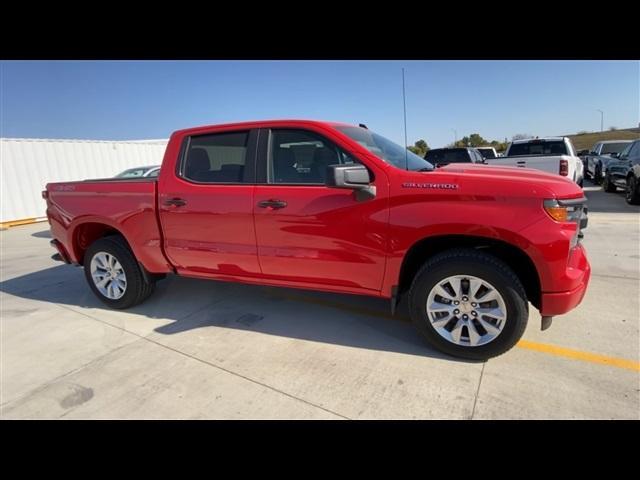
{"points": [[335, 207]]}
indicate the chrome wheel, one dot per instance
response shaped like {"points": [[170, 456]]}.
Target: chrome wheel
{"points": [[466, 310], [108, 275]]}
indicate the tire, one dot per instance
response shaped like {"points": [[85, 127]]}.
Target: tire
{"points": [[597, 176], [482, 266], [137, 287], [632, 193], [607, 186]]}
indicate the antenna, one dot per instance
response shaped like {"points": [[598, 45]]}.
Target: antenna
{"points": [[404, 103]]}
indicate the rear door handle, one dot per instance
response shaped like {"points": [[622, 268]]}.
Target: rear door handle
{"points": [[275, 204], [176, 202]]}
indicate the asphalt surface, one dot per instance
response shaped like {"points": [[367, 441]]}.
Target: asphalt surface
{"points": [[203, 349]]}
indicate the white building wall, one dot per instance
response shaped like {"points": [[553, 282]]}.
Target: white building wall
{"points": [[29, 164]]}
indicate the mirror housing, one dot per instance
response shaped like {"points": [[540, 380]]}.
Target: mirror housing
{"points": [[354, 177]]}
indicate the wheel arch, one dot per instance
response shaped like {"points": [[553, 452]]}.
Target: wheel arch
{"points": [[517, 259]]}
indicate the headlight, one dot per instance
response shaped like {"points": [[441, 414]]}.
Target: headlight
{"points": [[568, 211]]}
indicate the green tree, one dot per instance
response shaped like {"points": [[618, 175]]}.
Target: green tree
{"points": [[522, 136], [420, 148]]}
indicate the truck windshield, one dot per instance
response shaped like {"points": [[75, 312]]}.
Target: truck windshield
{"points": [[385, 149], [553, 147], [613, 147]]}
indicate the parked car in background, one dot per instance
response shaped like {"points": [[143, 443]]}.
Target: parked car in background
{"points": [[338, 208], [151, 171], [487, 153], [600, 155], [624, 172], [444, 156], [551, 154]]}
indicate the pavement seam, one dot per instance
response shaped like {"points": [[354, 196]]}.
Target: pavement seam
{"points": [[614, 276], [475, 400], [150, 340]]}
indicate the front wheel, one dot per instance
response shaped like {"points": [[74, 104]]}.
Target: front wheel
{"points": [[468, 304], [632, 193], [607, 185], [597, 176], [114, 275]]}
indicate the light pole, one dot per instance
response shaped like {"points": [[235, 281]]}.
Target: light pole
{"points": [[455, 136], [601, 120]]}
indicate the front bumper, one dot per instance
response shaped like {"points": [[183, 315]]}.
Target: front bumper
{"points": [[579, 270]]}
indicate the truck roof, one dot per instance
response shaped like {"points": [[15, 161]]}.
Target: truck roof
{"points": [[266, 123], [541, 139]]}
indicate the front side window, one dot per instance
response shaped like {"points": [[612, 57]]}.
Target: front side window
{"points": [[216, 158], [302, 157]]}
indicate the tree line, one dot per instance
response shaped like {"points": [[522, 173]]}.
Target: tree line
{"points": [[474, 140]]}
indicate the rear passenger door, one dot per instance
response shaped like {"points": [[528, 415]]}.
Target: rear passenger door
{"points": [[206, 206], [311, 234]]}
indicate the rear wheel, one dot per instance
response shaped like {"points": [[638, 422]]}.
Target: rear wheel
{"points": [[632, 193], [468, 304], [114, 275], [607, 185]]}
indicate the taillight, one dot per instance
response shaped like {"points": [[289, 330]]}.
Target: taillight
{"points": [[564, 167]]}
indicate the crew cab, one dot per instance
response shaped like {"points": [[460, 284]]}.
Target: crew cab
{"points": [[597, 159], [551, 154], [338, 208]]}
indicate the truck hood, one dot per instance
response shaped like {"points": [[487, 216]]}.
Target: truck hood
{"points": [[511, 180]]}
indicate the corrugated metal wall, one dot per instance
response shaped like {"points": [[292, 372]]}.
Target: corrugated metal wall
{"points": [[29, 164]]}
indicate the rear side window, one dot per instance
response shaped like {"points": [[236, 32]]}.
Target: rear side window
{"points": [[302, 157], [216, 158], [538, 148], [486, 153]]}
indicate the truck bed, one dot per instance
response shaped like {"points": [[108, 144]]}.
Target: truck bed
{"points": [[128, 205]]}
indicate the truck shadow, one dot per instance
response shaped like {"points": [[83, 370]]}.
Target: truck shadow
{"points": [[184, 304]]}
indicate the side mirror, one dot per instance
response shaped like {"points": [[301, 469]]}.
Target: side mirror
{"points": [[615, 155], [354, 177]]}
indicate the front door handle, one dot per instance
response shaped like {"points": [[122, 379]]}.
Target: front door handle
{"points": [[271, 203], [176, 202]]}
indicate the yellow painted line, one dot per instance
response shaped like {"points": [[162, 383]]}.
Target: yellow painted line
{"points": [[580, 355], [25, 221], [14, 223], [526, 344]]}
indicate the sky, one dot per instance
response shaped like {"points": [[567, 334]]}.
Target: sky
{"points": [[127, 100]]}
